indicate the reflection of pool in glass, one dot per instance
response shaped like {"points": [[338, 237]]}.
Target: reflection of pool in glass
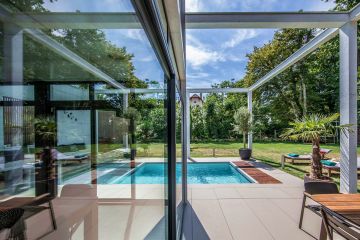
{"points": [[198, 173]]}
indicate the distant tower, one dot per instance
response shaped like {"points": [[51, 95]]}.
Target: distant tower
{"points": [[196, 100]]}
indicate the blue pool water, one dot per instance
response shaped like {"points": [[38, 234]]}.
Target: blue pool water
{"points": [[198, 173]]}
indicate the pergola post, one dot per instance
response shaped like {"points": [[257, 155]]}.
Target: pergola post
{"points": [[250, 136], [187, 122], [13, 53], [125, 107], [348, 107], [13, 74]]}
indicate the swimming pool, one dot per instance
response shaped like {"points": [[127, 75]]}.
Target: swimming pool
{"points": [[198, 173]]}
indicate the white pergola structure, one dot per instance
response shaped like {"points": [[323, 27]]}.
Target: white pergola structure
{"points": [[343, 24]]}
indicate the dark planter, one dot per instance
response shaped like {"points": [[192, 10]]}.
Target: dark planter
{"points": [[307, 179], [132, 154], [245, 153], [46, 174]]}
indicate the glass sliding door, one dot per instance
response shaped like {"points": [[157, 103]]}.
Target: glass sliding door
{"points": [[83, 122]]}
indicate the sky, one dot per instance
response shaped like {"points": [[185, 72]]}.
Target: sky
{"points": [[212, 55], [216, 55]]}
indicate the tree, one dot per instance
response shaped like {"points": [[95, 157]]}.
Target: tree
{"points": [[344, 5], [242, 123], [198, 131], [153, 126], [310, 128]]}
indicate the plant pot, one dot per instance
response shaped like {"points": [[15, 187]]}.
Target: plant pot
{"points": [[245, 153], [46, 174], [132, 154], [307, 179], [132, 164]]}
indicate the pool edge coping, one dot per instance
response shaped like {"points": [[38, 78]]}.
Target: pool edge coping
{"points": [[251, 179]]}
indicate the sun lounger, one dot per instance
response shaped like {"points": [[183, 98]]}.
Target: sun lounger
{"points": [[306, 157], [336, 168], [284, 158], [60, 157]]}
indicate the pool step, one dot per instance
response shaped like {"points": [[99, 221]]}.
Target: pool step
{"points": [[255, 173]]}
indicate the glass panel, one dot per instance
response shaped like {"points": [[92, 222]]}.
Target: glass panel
{"points": [[73, 142], [82, 122], [69, 92]]}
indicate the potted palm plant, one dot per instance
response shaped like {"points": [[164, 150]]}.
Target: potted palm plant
{"points": [[309, 129], [45, 138], [243, 125]]}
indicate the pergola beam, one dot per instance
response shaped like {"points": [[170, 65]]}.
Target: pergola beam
{"points": [[130, 90], [305, 50], [203, 20], [77, 20], [217, 90], [355, 14], [266, 20]]}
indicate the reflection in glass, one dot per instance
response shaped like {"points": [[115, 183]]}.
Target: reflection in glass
{"points": [[75, 120]]}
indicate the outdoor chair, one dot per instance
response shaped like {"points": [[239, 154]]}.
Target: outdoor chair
{"points": [[312, 188], [335, 222], [15, 211], [78, 190]]}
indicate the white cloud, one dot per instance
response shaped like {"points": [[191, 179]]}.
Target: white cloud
{"points": [[135, 34], [197, 75], [240, 36], [193, 6], [234, 58], [197, 56], [148, 58]]}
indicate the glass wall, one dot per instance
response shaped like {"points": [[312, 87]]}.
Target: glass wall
{"points": [[83, 123]]}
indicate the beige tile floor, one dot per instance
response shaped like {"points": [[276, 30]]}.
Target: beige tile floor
{"points": [[231, 211], [253, 211]]}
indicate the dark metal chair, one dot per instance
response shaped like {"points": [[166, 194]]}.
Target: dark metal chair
{"points": [[335, 222], [312, 188], [22, 208]]}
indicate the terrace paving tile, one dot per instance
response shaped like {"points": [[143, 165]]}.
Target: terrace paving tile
{"points": [[256, 211], [212, 218], [262, 193], [241, 220], [224, 193], [275, 221], [203, 194]]}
